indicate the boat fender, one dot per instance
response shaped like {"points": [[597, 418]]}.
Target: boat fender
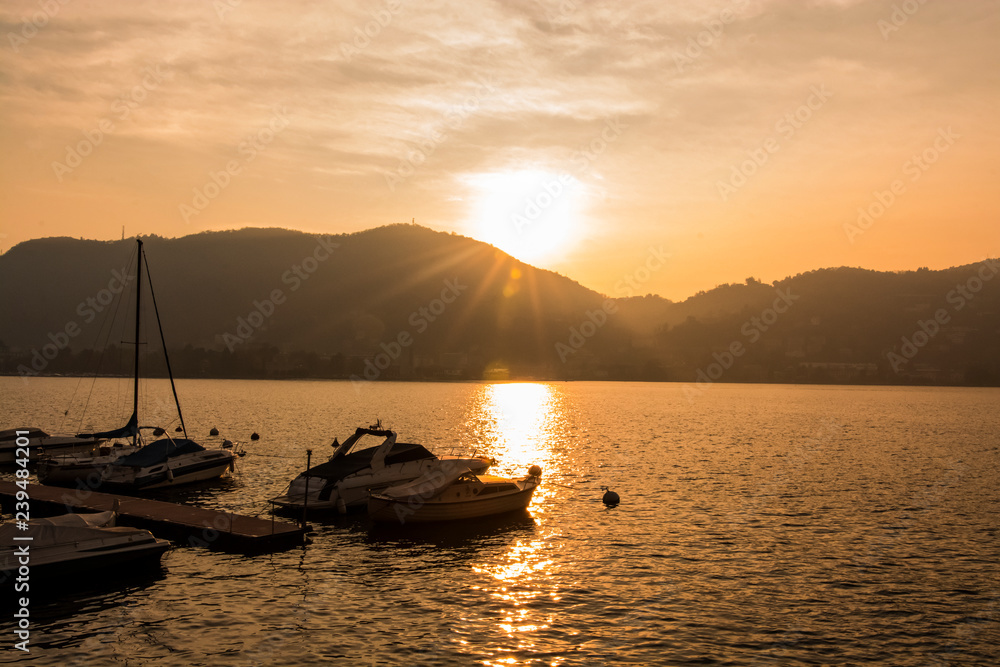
{"points": [[341, 506], [170, 475], [610, 497], [232, 465]]}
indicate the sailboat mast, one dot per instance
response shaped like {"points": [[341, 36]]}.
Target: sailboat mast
{"points": [[138, 302], [163, 341]]}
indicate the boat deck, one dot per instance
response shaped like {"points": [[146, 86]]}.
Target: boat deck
{"points": [[182, 524]]}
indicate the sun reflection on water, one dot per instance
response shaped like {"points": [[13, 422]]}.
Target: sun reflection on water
{"points": [[520, 584], [522, 424], [516, 420]]}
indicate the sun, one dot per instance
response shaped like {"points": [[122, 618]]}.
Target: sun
{"points": [[531, 215]]}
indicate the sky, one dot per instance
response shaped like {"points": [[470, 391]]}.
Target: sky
{"points": [[734, 138]]}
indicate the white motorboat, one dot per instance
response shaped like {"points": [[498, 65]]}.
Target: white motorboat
{"points": [[73, 544], [41, 444], [353, 471], [76, 470], [167, 461], [453, 495]]}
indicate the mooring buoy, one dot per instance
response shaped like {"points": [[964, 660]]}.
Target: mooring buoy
{"points": [[254, 436], [214, 431], [610, 497]]}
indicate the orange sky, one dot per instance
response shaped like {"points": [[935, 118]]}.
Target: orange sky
{"points": [[739, 137]]}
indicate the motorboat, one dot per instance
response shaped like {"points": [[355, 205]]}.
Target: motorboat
{"points": [[73, 544], [453, 495], [41, 444], [354, 470], [76, 470], [167, 461], [183, 465]]}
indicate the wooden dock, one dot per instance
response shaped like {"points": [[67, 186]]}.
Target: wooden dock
{"points": [[183, 524]]}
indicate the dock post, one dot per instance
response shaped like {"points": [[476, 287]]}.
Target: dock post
{"points": [[305, 494]]}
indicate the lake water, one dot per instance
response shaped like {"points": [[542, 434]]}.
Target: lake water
{"points": [[759, 525]]}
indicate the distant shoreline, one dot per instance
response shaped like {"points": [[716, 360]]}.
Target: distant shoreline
{"points": [[525, 379]]}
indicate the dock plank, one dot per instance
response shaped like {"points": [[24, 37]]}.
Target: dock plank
{"points": [[184, 524]]}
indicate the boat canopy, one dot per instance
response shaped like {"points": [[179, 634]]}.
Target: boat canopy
{"points": [[128, 430], [342, 466], [429, 484], [96, 520], [158, 452]]}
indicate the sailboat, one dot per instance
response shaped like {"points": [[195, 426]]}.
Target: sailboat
{"points": [[162, 463], [42, 444]]}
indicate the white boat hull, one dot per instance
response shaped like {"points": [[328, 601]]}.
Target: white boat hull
{"points": [[417, 510], [76, 470], [352, 492], [192, 477], [176, 472], [47, 446], [117, 547]]}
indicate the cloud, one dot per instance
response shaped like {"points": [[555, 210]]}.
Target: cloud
{"points": [[698, 83]]}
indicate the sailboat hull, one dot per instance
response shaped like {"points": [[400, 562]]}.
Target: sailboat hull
{"points": [[208, 465], [41, 444]]}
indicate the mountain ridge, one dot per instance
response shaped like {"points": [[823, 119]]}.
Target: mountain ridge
{"points": [[278, 302]]}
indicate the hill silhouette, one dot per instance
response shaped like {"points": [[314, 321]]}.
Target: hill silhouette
{"points": [[404, 301]]}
